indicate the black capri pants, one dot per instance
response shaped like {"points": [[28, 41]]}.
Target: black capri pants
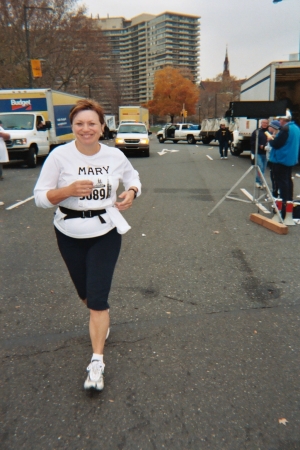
{"points": [[91, 263]]}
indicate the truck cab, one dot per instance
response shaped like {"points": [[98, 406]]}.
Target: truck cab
{"points": [[29, 136]]}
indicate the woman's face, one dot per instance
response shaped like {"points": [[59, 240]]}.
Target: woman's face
{"points": [[87, 127]]}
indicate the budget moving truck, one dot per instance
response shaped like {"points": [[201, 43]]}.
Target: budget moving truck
{"points": [[37, 121], [134, 113], [277, 81]]}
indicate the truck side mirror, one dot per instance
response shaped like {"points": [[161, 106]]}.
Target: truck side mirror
{"points": [[48, 125], [149, 132]]}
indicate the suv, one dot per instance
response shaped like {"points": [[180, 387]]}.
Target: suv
{"points": [[133, 138]]}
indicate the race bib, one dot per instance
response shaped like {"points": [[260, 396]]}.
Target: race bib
{"points": [[101, 193]]}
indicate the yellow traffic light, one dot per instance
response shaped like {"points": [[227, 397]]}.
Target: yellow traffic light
{"points": [[185, 113], [36, 68]]}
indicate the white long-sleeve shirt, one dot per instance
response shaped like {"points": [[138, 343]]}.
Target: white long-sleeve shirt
{"points": [[3, 151], [106, 169]]}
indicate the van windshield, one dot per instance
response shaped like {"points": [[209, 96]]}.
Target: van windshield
{"points": [[17, 121], [134, 128]]}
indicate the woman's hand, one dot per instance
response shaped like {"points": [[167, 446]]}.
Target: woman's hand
{"points": [[128, 197], [80, 188]]}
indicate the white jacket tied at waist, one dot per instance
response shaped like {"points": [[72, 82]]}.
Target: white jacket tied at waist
{"points": [[117, 219]]}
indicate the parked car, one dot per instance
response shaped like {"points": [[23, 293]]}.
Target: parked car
{"points": [[133, 138]]}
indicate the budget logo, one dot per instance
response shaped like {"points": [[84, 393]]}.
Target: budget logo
{"points": [[21, 104]]}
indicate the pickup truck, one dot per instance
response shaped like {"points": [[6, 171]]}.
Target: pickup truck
{"points": [[179, 132]]}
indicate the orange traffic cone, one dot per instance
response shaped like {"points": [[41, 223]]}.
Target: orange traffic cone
{"points": [[289, 214], [279, 206]]}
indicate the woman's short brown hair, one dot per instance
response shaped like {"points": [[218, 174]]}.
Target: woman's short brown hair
{"points": [[84, 105]]}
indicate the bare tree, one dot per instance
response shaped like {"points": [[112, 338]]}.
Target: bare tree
{"points": [[75, 55], [217, 93]]}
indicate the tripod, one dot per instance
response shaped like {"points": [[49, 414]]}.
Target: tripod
{"points": [[252, 198]]}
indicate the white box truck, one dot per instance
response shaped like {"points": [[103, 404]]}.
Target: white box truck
{"points": [[277, 81], [37, 121]]}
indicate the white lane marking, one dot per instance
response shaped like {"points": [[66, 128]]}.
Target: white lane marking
{"points": [[209, 157], [20, 203], [165, 150]]}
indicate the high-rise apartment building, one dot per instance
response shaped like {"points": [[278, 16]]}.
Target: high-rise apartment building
{"points": [[146, 43]]}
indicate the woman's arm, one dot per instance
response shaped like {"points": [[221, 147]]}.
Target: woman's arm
{"points": [[46, 192], [76, 189], [4, 135], [131, 180]]}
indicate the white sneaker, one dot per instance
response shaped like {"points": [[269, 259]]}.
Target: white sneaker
{"points": [[1, 203], [225, 157], [258, 185], [222, 157], [95, 377]]}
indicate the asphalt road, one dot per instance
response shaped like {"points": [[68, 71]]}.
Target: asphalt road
{"points": [[204, 346]]}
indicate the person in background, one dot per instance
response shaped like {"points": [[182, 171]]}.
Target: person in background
{"points": [[261, 151], [273, 128], [3, 150], [81, 178], [284, 155], [223, 135], [40, 125], [106, 132]]}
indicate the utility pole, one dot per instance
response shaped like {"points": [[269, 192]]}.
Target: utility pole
{"points": [[28, 47], [30, 78]]}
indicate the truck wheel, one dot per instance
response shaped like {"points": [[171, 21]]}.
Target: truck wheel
{"points": [[234, 150], [206, 140], [161, 139], [31, 159], [147, 153], [191, 139]]}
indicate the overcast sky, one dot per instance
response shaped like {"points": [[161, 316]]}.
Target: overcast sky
{"points": [[256, 31]]}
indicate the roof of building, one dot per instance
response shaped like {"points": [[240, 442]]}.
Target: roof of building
{"points": [[109, 23]]}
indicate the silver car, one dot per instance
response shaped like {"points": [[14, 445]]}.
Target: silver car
{"points": [[133, 138]]}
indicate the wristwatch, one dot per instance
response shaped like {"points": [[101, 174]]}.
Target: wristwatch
{"points": [[135, 192]]}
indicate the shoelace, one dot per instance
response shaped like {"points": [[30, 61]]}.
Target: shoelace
{"points": [[95, 369]]}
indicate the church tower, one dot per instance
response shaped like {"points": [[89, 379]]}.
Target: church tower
{"points": [[226, 72]]}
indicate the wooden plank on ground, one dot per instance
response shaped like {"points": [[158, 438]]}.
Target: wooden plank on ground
{"points": [[279, 228]]}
